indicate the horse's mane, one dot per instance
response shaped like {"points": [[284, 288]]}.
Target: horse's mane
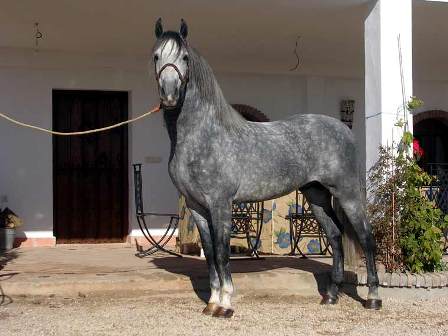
{"points": [[204, 81]]}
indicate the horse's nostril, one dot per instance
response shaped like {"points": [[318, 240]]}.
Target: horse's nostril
{"points": [[162, 92]]}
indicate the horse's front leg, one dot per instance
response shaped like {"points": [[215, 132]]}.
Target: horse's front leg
{"points": [[200, 216], [221, 214]]}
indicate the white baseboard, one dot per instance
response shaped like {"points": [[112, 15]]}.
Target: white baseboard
{"points": [[35, 234], [49, 234], [153, 232]]}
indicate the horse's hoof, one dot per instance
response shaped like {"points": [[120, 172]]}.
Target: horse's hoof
{"points": [[327, 300], [210, 308], [223, 312], [373, 304]]}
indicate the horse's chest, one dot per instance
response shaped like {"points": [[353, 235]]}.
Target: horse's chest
{"points": [[194, 173]]}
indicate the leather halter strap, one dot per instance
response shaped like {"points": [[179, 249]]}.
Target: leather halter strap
{"points": [[182, 78]]}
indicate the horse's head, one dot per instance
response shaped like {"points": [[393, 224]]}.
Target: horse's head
{"points": [[170, 56]]}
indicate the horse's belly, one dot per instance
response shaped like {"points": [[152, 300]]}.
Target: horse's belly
{"points": [[264, 189]]}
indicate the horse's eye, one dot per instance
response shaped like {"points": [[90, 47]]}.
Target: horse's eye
{"points": [[185, 58], [156, 58]]}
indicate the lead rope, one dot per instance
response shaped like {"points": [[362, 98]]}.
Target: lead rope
{"points": [[96, 130]]}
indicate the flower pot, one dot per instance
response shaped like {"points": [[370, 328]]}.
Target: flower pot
{"points": [[7, 238]]}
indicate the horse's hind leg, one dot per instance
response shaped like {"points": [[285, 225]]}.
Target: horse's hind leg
{"points": [[353, 207], [320, 203], [200, 216]]}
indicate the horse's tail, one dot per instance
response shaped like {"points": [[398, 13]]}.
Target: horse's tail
{"points": [[350, 239]]}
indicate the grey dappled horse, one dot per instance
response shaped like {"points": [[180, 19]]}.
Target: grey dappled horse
{"points": [[218, 157]]}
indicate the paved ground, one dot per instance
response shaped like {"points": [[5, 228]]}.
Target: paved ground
{"points": [[67, 270], [105, 290], [255, 315]]}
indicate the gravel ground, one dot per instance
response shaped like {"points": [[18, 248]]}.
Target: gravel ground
{"points": [[255, 315]]}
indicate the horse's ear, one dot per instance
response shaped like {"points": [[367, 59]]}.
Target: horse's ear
{"points": [[158, 29], [183, 29]]}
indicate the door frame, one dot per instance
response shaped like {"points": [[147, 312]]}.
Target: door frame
{"points": [[125, 197]]}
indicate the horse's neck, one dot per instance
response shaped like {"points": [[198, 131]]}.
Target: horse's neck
{"points": [[199, 117], [185, 121], [194, 114], [171, 118]]}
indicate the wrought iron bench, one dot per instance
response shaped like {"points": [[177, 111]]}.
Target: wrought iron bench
{"points": [[303, 224], [155, 244]]}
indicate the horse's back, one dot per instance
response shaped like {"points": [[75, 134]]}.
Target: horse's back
{"points": [[315, 122], [318, 145], [329, 144], [314, 131]]}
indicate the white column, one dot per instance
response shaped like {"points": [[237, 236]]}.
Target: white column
{"points": [[384, 80]]}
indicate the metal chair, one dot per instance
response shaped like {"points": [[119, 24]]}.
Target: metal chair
{"points": [[159, 244], [303, 224], [438, 192], [247, 222]]}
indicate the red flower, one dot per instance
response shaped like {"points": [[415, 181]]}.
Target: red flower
{"points": [[417, 149]]}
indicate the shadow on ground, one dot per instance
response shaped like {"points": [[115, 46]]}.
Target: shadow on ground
{"points": [[5, 258], [196, 270]]}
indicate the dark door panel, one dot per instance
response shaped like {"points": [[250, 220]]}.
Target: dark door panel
{"points": [[90, 172]]}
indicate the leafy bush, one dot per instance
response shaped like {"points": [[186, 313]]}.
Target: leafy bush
{"points": [[421, 223], [407, 225], [382, 208]]}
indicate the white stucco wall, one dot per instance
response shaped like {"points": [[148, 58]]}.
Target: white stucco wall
{"points": [[26, 82], [26, 155], [433, 93]]}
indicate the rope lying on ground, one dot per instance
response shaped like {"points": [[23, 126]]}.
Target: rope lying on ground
{"points": [[155, 109]]}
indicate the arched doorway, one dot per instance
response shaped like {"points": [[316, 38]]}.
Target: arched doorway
{"points": [[431, 130]]}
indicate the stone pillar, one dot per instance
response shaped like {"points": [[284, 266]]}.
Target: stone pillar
{"points": [[387, 85], [385, 80]]}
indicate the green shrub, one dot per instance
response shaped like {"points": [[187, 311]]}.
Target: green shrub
{"points": [[406, 224], [421, 223]]}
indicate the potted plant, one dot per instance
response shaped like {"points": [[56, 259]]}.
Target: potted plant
{"points": [[9, 221]]}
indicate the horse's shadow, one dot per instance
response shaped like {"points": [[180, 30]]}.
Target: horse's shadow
{"points": [[196, 270]]}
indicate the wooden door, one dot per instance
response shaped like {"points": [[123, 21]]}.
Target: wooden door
{"points": [[90, 172]]}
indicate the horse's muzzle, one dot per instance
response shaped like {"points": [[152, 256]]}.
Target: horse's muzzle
{"points": [[168, 105]]}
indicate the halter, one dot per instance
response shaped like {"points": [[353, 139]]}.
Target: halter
{"points": [[183, 79]]}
